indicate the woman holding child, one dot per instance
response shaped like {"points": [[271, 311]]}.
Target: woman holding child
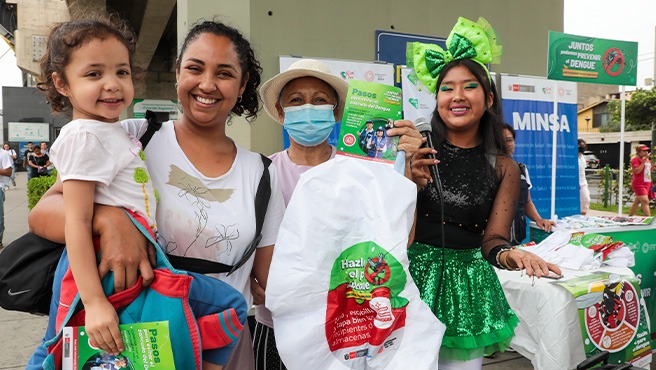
{"points": [[206, 183]]}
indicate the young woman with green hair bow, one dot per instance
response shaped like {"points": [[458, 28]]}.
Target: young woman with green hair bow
{"points": [[463, 224]]}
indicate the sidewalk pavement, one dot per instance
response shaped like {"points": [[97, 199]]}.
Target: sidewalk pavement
{"points": [[21, 332]]}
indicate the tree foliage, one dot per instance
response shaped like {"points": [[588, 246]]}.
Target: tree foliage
{"points": [[640, 111]]}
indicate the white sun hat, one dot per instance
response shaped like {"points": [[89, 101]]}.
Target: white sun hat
{"points": [[270, 90]]}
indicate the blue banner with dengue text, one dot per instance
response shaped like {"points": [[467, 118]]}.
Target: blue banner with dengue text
{"points": [[528, 105]]}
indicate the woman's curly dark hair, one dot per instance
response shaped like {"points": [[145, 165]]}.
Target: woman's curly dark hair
{"points": [[66, 37], [250, 66]]}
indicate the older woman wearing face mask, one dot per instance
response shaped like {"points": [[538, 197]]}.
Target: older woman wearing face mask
{"points": [[307, 100]]}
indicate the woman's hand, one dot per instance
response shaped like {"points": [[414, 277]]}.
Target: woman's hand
{"points": [[125, 251], [515, 259], [545, 224], [411, 141], [101, 324], [420, 163], [259, 295], [409, 138]]}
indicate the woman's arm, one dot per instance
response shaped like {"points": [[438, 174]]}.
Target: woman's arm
{"points": [[31, 164], [637, 169], [533, 214], [124, 249], [47, 219], [497, 232], [101, 320], [261, 265]]}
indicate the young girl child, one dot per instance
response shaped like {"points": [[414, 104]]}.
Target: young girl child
{"points": [[87, 70]]}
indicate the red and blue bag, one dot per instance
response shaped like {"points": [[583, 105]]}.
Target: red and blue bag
{"points": [[165, 299]]}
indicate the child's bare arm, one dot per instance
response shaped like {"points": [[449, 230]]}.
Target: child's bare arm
{"points": [[101, 319]]}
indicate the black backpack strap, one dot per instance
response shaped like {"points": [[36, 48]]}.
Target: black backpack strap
{"points": [[198, 265], [262, 197], [153, 126], [522, 169]]}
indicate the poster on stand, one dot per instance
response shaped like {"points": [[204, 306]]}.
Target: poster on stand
{"points": [[528, 105], [612, 316]]}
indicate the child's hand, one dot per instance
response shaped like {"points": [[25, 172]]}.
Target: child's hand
{"points": [[101, 324]]}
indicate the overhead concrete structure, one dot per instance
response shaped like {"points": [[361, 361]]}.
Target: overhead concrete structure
{"points": [[34, 20], [155, 19], [340, 29]]}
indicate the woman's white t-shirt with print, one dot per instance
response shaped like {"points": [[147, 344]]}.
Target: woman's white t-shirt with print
{"points": [[209, 218]]}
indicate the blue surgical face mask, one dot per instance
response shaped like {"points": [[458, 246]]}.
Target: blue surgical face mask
{"points": [[309, 125]]}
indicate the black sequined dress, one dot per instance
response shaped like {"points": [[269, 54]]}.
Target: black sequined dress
{"points": [[479, 198]]}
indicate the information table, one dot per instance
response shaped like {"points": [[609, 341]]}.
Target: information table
{"points": [[642, 241]]}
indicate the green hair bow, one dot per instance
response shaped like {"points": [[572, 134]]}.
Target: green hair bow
{"points": [[468, 40]]}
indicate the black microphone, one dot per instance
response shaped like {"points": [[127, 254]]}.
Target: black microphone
{"points": [[425, 128]]}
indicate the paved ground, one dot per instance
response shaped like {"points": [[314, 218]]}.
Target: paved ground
{"points": [[20, 333]]}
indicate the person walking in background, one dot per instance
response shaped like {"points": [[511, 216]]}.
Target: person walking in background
{"points": [[38, 163], [27, 155], [641, 180], [6, 166], [525, 205], [463, 223], [13, 155], [584, 192], [44, 148]]}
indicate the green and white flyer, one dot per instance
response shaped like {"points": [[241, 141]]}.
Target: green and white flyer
{"points": [[613, 317], [371, 109], [147, 347]]}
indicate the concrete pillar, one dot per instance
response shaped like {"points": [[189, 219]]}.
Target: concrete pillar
{"points": [[34, 20], [155, 18], [233, 13]]}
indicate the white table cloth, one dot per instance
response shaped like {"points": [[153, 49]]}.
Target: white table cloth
{"points": [[549, 333]]}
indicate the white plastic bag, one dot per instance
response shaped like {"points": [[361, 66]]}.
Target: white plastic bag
{"points": [[339, 289]]}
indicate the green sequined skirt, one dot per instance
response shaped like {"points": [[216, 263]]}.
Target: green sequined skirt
{"points": [[471, 302]]}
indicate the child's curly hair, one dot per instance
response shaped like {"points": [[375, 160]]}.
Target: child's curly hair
{"points": [[66, 37]]}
